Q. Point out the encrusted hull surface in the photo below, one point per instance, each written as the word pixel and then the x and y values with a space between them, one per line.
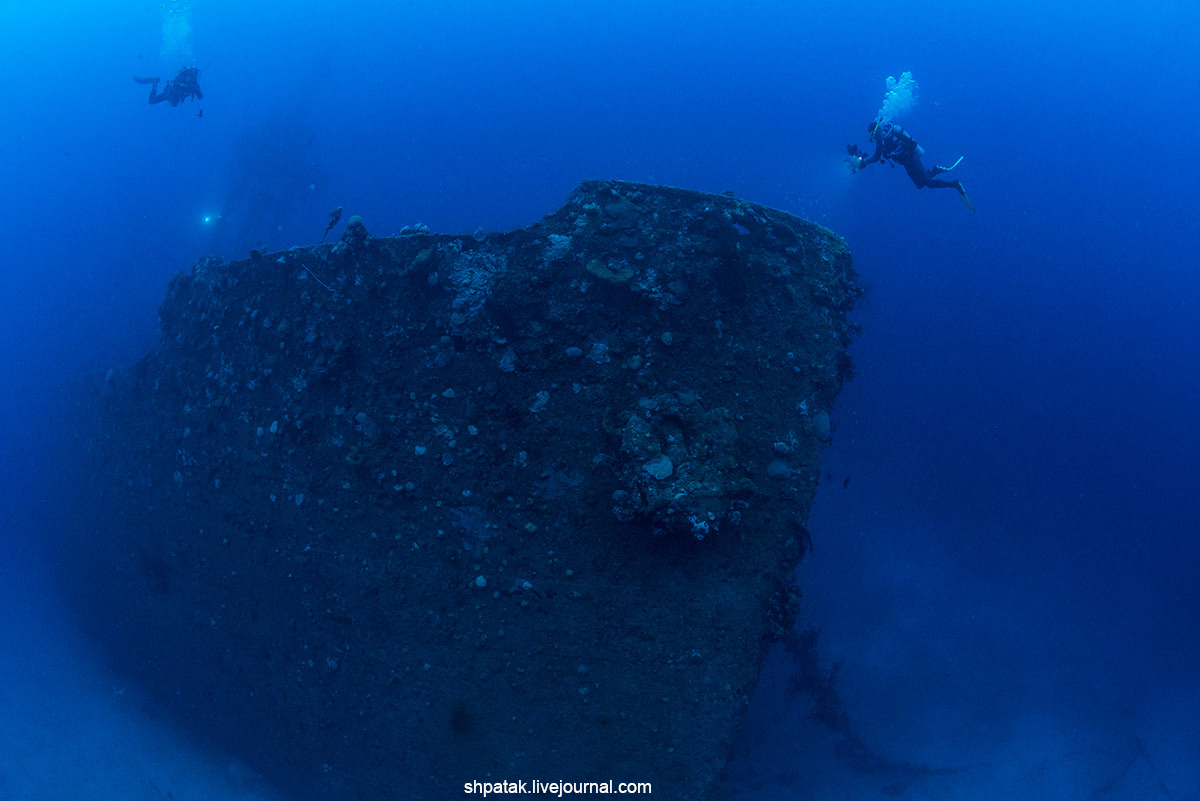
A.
pixel 395 514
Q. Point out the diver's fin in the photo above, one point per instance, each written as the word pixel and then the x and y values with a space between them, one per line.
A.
pixel 963 194
pixel 951 167
pixel 146 80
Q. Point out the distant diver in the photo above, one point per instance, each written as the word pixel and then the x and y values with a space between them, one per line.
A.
pixel 896 144
pixel 184 85
pixel 334 216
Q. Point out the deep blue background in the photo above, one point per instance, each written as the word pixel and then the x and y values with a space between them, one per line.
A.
pixel 1022 438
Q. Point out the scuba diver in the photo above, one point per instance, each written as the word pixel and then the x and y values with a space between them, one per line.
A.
pixel 177 90
pixel 896 144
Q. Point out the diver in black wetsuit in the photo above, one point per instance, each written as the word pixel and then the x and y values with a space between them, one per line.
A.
pixel 896 144
pixel 185 84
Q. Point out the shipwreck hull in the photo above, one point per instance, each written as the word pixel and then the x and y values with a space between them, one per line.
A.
pixel 395 514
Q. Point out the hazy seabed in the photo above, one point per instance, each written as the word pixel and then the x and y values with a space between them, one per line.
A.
pixel 70 730
pixel 968 686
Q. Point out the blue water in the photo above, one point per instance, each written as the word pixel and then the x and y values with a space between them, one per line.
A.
pixel 1010 575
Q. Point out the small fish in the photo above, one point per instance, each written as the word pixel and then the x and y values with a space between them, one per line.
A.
pixel 846 482
pixel 200 113
pixel 334 216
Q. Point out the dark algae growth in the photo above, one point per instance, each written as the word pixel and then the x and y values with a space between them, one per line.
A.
pixel 390 515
